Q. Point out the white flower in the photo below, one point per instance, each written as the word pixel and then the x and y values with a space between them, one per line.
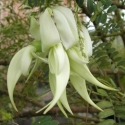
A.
pixel 66 26
pixel 19 64
pixel 58 25
pixel 71 66
pixel 57 37
pixel 67 13
pixel 48 31
pixel 58 77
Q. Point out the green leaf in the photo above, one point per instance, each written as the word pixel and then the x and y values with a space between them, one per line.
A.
pixel 93 17
pixel 5 115
pixel 120 108
pixel 117 59
pixel 122 102
pixel 103 18
pixel 107 122
pixel 102 92
pixel 120 114
pixel 80 2
pixel 50 123
pixel 115 70
pixel 42 120
pixel 106 113
pixel 35 2
pixel 102 44
pixel 30 3
pixel 107 3
pixel 112 8
pixel 121 123
pixel 98 19
pixel 121 63
pixel 42 1
pixel 104 104
pixel 114 54
pixel 122 68
pixel 99 53
pixel 99 6
pixel 102 58
pixel 111 50
pixel 104 63
pixel 112 82
pixel 113 66
pixel 108 46
pixel 90 6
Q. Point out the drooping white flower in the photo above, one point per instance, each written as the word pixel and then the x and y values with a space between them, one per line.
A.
pixel 75 54
pixel 59 76
pixel 48 31
pixel 56 59
pixel 80 73
pixel 19 64
pixel 63 99
pixel 70 18
pixel 80 86
pixel 65 32
pixel 56 26
pixel 83 71
pixel 58 35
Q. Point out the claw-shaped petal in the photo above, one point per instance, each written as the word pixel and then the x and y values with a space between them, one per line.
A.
pixel 52 86
pixel 26 59
pixel 48 31
pixel 64 101
pixel 80 86
pixel 13 74
pixel 63 98
pixel 56 59
pixel 71 20
pixel 52 82
pixel 75 54
pixel 65 32
pixel 61 82
pixel 83 71
pixel 19 64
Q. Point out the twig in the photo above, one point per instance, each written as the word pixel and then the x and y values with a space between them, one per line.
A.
pixel 4 62
pixel 53 110
pixel 84 118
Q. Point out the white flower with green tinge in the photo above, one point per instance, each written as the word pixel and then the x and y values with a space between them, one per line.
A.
pixel 19 64
pixel 58 39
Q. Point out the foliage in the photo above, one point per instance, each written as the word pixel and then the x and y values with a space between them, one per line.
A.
pixel 46 120
pixel 106 23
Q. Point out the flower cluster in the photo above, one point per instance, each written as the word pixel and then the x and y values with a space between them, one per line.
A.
pixel 57 39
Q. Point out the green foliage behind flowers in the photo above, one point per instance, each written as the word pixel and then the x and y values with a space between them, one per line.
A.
pixel 107 54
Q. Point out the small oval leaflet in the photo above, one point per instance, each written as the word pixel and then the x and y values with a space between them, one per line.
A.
pixel 107 122
pixel 106 113
pixel 112 8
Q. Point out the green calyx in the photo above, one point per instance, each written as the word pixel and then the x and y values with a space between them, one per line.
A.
pixel 37 45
